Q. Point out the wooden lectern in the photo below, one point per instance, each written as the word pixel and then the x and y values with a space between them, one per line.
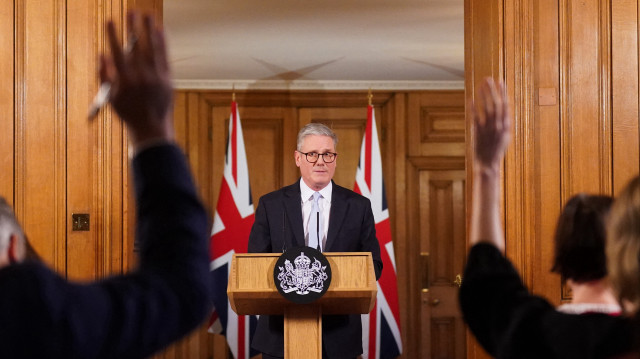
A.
pixel 252 291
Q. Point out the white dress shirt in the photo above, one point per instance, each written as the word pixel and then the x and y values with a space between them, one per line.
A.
pixel 324 202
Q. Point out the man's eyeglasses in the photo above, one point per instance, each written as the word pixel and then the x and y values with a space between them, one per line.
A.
pixel 312 157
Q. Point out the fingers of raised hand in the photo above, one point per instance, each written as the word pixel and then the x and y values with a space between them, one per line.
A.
pixel 495 107
pixel 154 57
pixel 150 50
pixel 491 121
pixel 145 50
pixel 487 95
pixel 106 69
pixel 160 51
pixel 138 43
pixel 117 54
pixel 506 120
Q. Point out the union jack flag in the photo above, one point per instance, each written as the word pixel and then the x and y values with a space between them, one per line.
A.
pixel 381 327
pixel 232 223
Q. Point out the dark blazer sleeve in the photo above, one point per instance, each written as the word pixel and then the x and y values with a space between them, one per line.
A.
pixel 127 316
pixel 352 227
pixel 260 237
pixel 510 322
pixel 369 240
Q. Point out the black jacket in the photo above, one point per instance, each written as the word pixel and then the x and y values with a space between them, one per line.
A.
pixel 509 322
pixel 129 316
pixel 278 225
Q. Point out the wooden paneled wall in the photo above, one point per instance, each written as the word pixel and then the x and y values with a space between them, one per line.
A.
pixel 55 162
pixel 571 69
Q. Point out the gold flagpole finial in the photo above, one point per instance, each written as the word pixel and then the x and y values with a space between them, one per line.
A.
pixel 370 96
pixel 233 92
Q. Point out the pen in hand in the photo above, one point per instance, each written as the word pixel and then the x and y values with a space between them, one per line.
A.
pixel 102 96
pixel 100 99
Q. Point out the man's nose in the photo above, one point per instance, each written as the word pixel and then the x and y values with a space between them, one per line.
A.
pixel 320 158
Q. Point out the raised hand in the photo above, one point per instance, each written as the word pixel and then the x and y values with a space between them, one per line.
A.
pixel 492 124
pixel 141 91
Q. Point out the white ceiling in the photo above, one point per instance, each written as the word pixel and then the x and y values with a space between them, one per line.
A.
pixel 320 44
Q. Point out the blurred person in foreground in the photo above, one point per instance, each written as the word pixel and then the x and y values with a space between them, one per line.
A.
pixel 42 315
pixel 623 254
pixel 580 255
pixel 507 320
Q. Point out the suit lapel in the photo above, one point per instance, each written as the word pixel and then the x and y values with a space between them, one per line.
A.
pixel 294 212
pixel 336 217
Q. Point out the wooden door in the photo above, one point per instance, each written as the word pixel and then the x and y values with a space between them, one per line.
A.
pixel 440 229
pixel 437 221
pixel 442 247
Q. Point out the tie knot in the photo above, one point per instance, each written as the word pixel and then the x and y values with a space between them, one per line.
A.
pixel 316 195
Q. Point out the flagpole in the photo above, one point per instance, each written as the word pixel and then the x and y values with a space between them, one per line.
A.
pixel 379 341
pixel 233 219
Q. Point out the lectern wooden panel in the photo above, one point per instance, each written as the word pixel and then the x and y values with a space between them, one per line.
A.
pixel 252 291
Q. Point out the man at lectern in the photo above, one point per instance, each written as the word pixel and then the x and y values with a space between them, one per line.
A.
pixel 315 212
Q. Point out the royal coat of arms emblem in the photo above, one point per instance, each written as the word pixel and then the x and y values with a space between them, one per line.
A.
pixel 302 278
pixel 302 274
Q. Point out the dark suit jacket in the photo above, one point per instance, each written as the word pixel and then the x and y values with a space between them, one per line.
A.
pixel 278 225
pixel 129 316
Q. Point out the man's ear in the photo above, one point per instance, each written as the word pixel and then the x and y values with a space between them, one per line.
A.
pixel 297 156
pixel 15 252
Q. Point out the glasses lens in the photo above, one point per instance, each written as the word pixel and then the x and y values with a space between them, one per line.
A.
pixel 312 157
pixel 328 157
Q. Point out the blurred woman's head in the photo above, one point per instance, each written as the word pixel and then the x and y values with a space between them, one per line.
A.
pixel 623 246
pixel 580 238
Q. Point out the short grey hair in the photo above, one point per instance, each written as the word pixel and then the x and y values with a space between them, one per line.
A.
pixel 8 224
pixel 316 129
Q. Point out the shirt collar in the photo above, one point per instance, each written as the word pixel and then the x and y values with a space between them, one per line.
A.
pixel 306 192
